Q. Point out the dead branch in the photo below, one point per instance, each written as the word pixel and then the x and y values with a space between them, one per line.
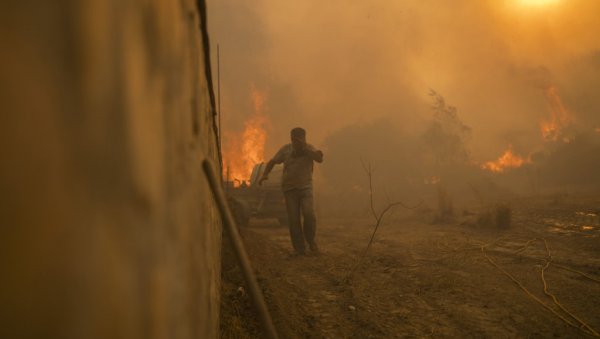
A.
pixel 378 216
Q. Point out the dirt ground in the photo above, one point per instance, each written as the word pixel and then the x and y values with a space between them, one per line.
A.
pixel 425 279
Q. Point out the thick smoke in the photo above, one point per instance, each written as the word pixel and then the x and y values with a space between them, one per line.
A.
pixel 357 75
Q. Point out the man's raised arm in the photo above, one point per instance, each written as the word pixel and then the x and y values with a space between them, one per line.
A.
pixel 317 156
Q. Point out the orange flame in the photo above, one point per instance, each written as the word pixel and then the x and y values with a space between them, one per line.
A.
pixel 506 161
pixel 244 150
pixel 560 118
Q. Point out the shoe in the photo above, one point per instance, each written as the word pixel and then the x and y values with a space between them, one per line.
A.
pixel 313 247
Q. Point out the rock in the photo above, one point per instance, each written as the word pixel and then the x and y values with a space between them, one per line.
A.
pixel 352 308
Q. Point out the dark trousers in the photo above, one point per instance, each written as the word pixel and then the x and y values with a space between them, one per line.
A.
pixel 299 204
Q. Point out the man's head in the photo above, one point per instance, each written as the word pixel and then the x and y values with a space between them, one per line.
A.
pixel 298 136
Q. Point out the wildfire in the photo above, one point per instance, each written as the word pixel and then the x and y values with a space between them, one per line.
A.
pixel 242 151
pixel 506 161
pixel 560 118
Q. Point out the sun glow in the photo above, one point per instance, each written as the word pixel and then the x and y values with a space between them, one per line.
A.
pixel 537 2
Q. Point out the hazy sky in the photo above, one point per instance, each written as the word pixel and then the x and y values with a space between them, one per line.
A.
pixel 326 65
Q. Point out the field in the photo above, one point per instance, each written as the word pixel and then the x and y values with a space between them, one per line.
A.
pixel 538 278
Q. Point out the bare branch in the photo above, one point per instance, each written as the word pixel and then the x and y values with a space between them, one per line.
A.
pixel 378 217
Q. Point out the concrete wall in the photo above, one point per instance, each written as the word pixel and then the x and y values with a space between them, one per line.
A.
pixel 107 227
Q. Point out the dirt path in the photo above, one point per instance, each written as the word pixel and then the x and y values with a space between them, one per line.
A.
pixel 426 280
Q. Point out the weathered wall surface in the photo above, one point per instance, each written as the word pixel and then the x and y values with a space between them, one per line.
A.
pixel 107 226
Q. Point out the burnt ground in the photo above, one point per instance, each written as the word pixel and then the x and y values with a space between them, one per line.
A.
pixel 422 279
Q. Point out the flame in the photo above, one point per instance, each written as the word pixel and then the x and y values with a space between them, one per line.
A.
pixel 560 118
pixel 506 161
pixel 242 151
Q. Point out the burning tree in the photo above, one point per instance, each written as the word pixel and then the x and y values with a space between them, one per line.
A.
pixel 560 118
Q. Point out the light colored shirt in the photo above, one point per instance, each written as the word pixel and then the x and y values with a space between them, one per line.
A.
pixel 297 168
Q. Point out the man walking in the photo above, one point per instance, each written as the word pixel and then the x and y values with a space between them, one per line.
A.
pixel 296 183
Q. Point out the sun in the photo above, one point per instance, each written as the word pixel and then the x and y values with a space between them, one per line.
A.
pixel 537 2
